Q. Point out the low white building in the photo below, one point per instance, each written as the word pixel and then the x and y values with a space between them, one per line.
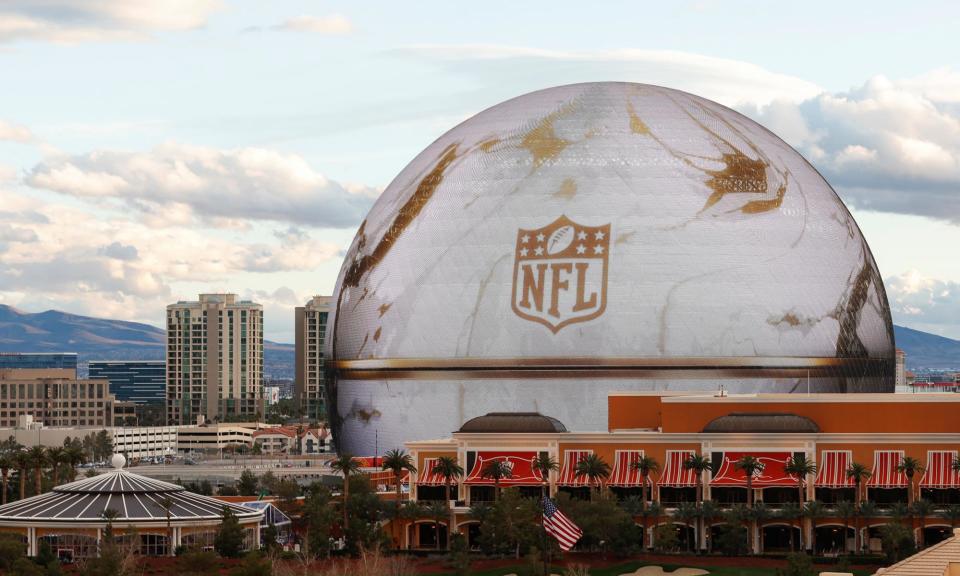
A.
pixel 214 437
pixel 145 441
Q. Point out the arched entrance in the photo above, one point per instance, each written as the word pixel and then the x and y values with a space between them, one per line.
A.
pixel 936 534
pixel 430 535
pixel 470 531
pixel 780 538
pixel 831 540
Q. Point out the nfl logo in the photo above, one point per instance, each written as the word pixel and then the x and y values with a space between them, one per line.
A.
pixel 560 273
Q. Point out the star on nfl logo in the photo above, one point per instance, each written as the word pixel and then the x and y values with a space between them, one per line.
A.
pixel 560 273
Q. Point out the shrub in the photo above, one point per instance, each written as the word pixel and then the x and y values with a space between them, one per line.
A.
pixel 798 564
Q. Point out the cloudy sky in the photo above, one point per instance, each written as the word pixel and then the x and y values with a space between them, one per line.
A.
pixel 151 150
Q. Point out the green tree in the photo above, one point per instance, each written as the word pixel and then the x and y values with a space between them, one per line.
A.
pixel 22 459
pixel 55 457
pixel 73 456
pixel 897 541
pixel 910 467
pixel 438 512
pixel 759 514
pixel 792 513
pixel 665 538
pixel 595 469
pixel 922 509
pixel 699 464
pixel 798 564
pixel 6 463
pixel 607 526
pixel 229 539
pixel 846 511
pixel 510 524
pixel 859 474
pixel 287 492
pixel 751 466
pixel 319 517
pixel 800 468
pixel 11 549
pixel 496 470
pixel 38 458
pixel 814 511
pixel 732 537
pixel 459 555
pixel 247 484
pixel 346 465
pixel 544 463
pixel 951 514
pixel 645 465
pixel 398 461
pixel 364 508
pixel 687 513
pixel 866 510
pixel 447 468
pixel 167 504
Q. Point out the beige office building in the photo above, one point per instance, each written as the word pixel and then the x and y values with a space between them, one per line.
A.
pixel 214 359
pixel 311 332
pixel 55 401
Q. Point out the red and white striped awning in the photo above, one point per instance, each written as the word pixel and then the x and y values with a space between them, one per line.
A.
pixel 568 474
pixel 521 464
pixel 772 474
pixel 674 473
pixel 885 473
pixel 426 476
pixel 832 469
pixel 939 472
pixel 624 474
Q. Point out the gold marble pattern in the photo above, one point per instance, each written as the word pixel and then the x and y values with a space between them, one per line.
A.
pixel 542 141
pixel 568 189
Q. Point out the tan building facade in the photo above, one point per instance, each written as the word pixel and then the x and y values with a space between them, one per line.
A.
pixel 214 359
pixel 311 332
pixel 56 401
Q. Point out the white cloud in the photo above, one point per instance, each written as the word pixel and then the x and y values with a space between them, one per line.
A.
pixel 332 25
pixel 78 21
pixel 891 146
pixel 729 82
pixel 927 303
pixel 79 260
pixel 13 132
pixel 175 183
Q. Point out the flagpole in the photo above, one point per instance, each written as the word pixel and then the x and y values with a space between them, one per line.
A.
pixel 546 541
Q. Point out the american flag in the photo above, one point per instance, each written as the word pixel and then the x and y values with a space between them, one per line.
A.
pixel 559 526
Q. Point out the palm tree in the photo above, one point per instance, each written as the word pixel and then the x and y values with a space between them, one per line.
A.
pixel 496 470
pixel 708 513
pixel 346 465
pixel 110 514
pixel 73 454
pixel 398 462
pixel 22 459
pixel 38 456
pixel 791 511
pixel 544 463
pixel 759 514
pixel 922 509
pixel 6 463
pixel 814 511
pixel 750 465
pixel 55 457
pixel 645 465
pixel 909 466
pixel 646 512
pixel 437 511
pixel 846 511
pixel 865 510
pixel 951 514
pixel 687 513
pixel 595 469
pixel 448 469
pixel 699 464
pixel 858 473
pixel 800 468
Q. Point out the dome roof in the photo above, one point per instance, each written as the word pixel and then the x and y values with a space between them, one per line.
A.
pixel 765 422
pixel 594 238
pixel 513 422
pixel 134 497
pixel 699 234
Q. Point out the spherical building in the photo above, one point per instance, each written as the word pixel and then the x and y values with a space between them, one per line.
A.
pixel 595 238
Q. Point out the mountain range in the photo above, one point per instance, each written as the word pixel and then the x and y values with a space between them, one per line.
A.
pixel 103 339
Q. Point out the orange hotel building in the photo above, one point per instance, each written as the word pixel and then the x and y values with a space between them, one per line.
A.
pixel 832 430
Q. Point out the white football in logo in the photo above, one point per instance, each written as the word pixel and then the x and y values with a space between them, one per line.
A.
pixel 560 240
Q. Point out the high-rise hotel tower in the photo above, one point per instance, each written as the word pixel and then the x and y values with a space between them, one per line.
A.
pixel 214 359
pixel 308 384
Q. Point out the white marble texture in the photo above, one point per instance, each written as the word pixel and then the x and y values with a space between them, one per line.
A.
pixel 725 243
